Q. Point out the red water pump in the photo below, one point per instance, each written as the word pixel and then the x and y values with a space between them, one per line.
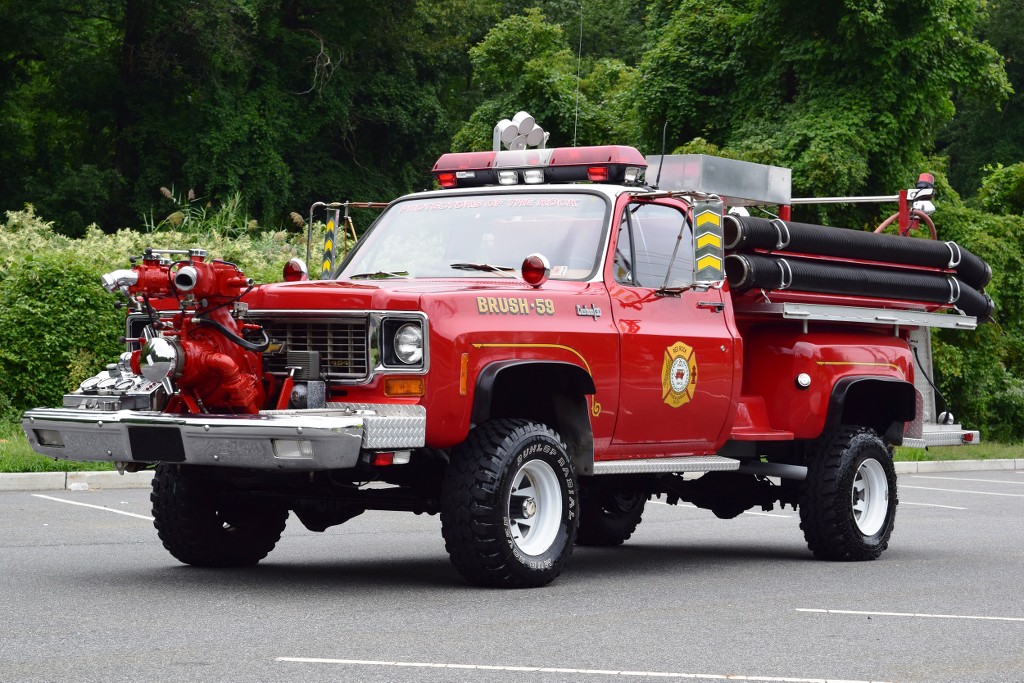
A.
pixel 201 354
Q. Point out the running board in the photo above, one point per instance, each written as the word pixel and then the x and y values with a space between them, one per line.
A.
pixel 692 463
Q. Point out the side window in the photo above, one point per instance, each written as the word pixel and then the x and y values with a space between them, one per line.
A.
pixel 649 236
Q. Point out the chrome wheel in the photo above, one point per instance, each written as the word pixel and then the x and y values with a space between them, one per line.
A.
pixel 870 497
pixel 534 507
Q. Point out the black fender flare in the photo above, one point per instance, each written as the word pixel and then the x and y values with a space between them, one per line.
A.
pixel 560 389
pixel 883 403
pixel 574 378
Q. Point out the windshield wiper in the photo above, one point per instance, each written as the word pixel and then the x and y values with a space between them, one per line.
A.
pixel 380 275
pixel 504 271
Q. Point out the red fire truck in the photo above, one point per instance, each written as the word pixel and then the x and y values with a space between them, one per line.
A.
pixel 532 352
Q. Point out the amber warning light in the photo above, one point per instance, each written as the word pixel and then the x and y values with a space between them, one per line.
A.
pixel 602 164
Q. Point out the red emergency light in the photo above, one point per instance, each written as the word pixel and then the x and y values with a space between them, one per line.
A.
pixel 602 164
pixel 465 169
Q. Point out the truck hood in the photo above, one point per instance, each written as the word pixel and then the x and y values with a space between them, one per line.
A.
pixel 402 295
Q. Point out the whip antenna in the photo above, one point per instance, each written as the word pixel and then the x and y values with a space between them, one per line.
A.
pixel 579 61
pixel 661 164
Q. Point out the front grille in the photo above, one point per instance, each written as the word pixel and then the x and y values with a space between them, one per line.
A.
pixel 341 343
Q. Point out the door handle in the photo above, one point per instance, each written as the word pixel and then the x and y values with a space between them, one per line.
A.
pixel 716 306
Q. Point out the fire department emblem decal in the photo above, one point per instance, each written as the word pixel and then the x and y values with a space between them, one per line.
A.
pixel 678 374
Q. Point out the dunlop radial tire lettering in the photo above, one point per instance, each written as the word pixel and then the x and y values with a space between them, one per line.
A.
pixel 848 501
pixel 202 524
pixel 480 505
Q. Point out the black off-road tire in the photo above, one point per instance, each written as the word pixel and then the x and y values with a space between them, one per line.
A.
pixel 485 521
pixel 608 517
pixel 206 524
pixel 848 501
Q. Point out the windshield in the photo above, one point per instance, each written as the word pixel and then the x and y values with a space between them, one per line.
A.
pixel 483 236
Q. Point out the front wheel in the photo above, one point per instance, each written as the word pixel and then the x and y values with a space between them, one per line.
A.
pixel 509 507
pixel 848 501
pixel 205 523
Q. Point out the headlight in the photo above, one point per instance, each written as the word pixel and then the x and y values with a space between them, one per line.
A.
pixel 159 359
pixel 409 343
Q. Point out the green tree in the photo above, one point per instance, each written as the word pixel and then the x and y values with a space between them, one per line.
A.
pixel 982 134
pixel 283 101
pixel 850 94
pixel 57 119
pixel 610 29
pixel 526 63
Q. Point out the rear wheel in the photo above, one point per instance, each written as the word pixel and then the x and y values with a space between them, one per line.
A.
pixel 207 524
pixel 509 506
pixel 848 501
pixel 608 517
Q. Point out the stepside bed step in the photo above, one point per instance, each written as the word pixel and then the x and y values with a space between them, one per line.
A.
pixel 691 463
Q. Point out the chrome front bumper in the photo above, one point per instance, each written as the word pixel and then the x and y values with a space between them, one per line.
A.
pixel 320 439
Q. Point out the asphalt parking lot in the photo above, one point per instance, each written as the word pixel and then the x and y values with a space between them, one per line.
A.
pixel 89 594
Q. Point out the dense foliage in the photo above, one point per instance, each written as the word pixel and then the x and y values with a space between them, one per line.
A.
pixel 58 326
pixel 211 123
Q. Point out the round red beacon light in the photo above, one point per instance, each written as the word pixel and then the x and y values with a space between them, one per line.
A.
pixel 295 271
pixel 536 269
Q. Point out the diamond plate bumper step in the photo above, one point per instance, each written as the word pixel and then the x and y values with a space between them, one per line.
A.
pixel 691 463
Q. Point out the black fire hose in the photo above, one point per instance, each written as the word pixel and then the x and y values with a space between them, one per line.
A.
pixel 746 271
pixel 746 233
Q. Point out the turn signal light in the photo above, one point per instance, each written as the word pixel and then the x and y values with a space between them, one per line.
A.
pixel 404 386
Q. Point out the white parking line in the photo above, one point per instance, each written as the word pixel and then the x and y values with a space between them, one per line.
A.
pixel 931 505
pixel 909 614
pixel 95 507
pixel 984 481
pixel 581 672
pixel 980 493
pixel 768 514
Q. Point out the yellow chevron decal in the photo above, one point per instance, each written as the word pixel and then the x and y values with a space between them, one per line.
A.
pixel 711 217
pixel 709 261
pixel 709 239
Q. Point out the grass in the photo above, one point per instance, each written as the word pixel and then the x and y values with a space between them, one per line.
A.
pixel 16 456
pixel 981 451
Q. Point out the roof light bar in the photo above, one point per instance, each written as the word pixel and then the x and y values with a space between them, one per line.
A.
pixel 576 161
pixel 465 169
pixel 602 164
